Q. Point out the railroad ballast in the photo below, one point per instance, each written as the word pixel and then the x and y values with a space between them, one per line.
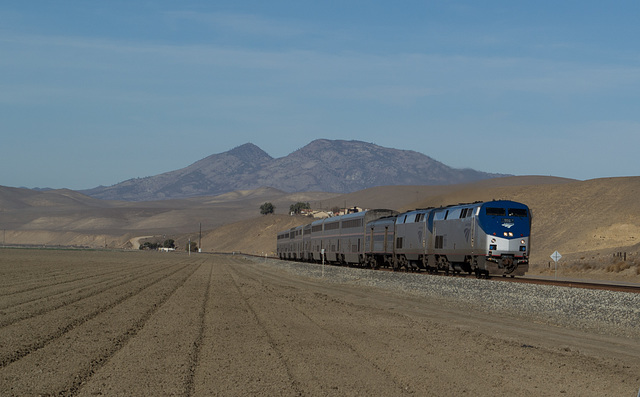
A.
pixel 482 238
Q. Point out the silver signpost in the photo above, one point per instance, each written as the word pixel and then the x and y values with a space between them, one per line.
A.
pixel 556 257
pixel 322 253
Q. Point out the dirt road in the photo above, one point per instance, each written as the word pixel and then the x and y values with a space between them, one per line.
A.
pixel 100 323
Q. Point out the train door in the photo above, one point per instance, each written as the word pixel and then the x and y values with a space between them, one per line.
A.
pixel 371 241
pixel 473 233
pixel 386 239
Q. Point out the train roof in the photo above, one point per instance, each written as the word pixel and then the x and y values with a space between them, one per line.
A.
pixel 463 205
pixel 483 203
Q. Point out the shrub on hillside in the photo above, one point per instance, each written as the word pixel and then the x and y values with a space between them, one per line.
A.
pixel 618 267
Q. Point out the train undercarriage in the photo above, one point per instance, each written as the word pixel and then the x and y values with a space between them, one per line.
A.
pixel 481 266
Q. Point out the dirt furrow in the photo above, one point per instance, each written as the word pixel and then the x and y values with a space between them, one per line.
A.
pixel 59 284
pixel 237 356
pixel 13 296
pixel 29 271
pixel 48 267
pixel 344 335
pixel 310 347
pixel 163 353
pixel 24 337
pixel 290 367
pixel 64 364
pixel 445 351
pixel 42 305
pixel 205 325
pixel 194 361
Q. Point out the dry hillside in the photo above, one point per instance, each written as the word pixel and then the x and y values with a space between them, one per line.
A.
pixel 67 218
pixel 258 234
pixel 572 217
pixel 586 221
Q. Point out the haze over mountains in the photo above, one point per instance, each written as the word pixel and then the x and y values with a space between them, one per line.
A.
pixel 323 165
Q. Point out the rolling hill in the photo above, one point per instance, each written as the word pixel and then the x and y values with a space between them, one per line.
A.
pixel 587 221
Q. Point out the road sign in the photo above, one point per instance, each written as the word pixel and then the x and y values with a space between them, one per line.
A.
pixel 556 257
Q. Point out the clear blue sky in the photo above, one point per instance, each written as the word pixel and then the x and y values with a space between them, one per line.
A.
pixel 97 92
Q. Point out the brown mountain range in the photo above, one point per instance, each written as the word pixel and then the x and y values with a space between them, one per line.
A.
pixel 323 165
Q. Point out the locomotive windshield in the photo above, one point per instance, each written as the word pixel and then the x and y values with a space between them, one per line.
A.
pixel 521 212
pixel 496 211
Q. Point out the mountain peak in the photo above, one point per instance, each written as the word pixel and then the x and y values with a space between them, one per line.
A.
pixel 323 165
pixel 249 151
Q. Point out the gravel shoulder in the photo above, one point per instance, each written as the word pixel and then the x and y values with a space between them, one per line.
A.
pixel 205 325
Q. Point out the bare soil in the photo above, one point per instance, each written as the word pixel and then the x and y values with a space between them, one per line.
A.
pixel 113 323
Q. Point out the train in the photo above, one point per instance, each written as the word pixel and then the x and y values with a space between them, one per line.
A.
pixel 490 238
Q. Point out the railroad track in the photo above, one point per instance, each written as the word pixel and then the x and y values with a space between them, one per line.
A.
pixel 529 280
pixel 559 283
pixel 574 284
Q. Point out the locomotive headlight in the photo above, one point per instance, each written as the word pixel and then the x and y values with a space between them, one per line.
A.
pixel 510 234
pixel 522 241
pixel 493 240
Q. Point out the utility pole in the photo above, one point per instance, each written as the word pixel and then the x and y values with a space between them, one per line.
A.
pixel 200 239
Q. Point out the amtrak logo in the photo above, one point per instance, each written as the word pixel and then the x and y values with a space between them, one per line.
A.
pixel 508 223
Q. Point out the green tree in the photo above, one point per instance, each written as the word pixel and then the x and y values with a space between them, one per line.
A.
pixel 149 246
pixel 194 246
pixel 267 208
pixel 298 207
pixel 169 243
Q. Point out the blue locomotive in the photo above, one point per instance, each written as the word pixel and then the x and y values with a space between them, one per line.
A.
pixel 482 238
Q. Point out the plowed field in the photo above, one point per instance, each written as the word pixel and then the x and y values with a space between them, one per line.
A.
pixel 138 323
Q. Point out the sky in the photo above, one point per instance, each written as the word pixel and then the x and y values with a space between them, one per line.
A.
pixel 98 92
